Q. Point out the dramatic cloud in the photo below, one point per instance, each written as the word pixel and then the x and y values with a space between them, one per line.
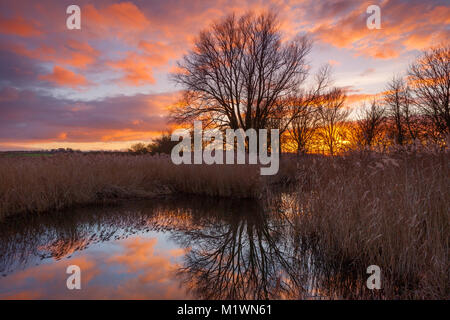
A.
pixel 113 73
pixel 118 17
pixel 29 118
pixel 402 24
pixel 63 77
pixel 73 53
pixel 19 26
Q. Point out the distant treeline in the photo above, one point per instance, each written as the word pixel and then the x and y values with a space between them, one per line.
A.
pixel 241 75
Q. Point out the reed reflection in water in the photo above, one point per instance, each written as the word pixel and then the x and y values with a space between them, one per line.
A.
pixel 166 249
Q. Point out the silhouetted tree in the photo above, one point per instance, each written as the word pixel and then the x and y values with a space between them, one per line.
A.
pixel 369 126
pixel 297 113
pixel 237 72
pixel 398 102
pixel 304 127
pixel 138 148
pixel 429 76
pixel 162 144
pixel 332 115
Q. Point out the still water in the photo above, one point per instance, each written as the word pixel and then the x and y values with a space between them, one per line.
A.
pixel 183 248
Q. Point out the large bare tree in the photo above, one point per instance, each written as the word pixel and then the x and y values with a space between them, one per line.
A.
pixel 238 71
pixel 430 79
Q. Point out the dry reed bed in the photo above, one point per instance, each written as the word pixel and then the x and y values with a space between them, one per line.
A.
pixel 48 183
pixel 387 210
pixel 355 210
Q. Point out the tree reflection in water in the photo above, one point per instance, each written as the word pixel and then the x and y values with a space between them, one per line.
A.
pixel 237 249
pixel 242 253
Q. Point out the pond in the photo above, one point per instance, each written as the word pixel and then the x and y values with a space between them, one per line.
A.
pixel 174 248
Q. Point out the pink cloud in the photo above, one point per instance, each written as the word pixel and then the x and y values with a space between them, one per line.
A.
pixel 404 26
pixel 73 53
pixel 19 26
pixel 65 78
pixel 121 17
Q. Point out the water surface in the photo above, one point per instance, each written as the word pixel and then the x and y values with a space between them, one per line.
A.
pixel 183 248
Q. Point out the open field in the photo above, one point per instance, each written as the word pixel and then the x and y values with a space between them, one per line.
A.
pixel 13 154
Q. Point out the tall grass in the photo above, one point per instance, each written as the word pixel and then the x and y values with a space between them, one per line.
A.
pixel 354 210
pixel 377 209
pixel 49 183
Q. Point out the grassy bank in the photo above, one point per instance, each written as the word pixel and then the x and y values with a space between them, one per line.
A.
pixel 48 183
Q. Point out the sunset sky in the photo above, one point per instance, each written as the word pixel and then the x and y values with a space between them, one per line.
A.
pixel 106 86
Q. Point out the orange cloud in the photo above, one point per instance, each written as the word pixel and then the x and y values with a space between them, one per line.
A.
pixel 122 17
pixel 73 53
pixel 404 26
pixel 159 53
pixel 153 36
pixel 129 135
pixel 359 97
pixel 62 136
pixel 65 78
pixel 137 69
pixel 388 50
pixel 19 26
pixel 424 40
pixel 109 124
pixel 81 54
